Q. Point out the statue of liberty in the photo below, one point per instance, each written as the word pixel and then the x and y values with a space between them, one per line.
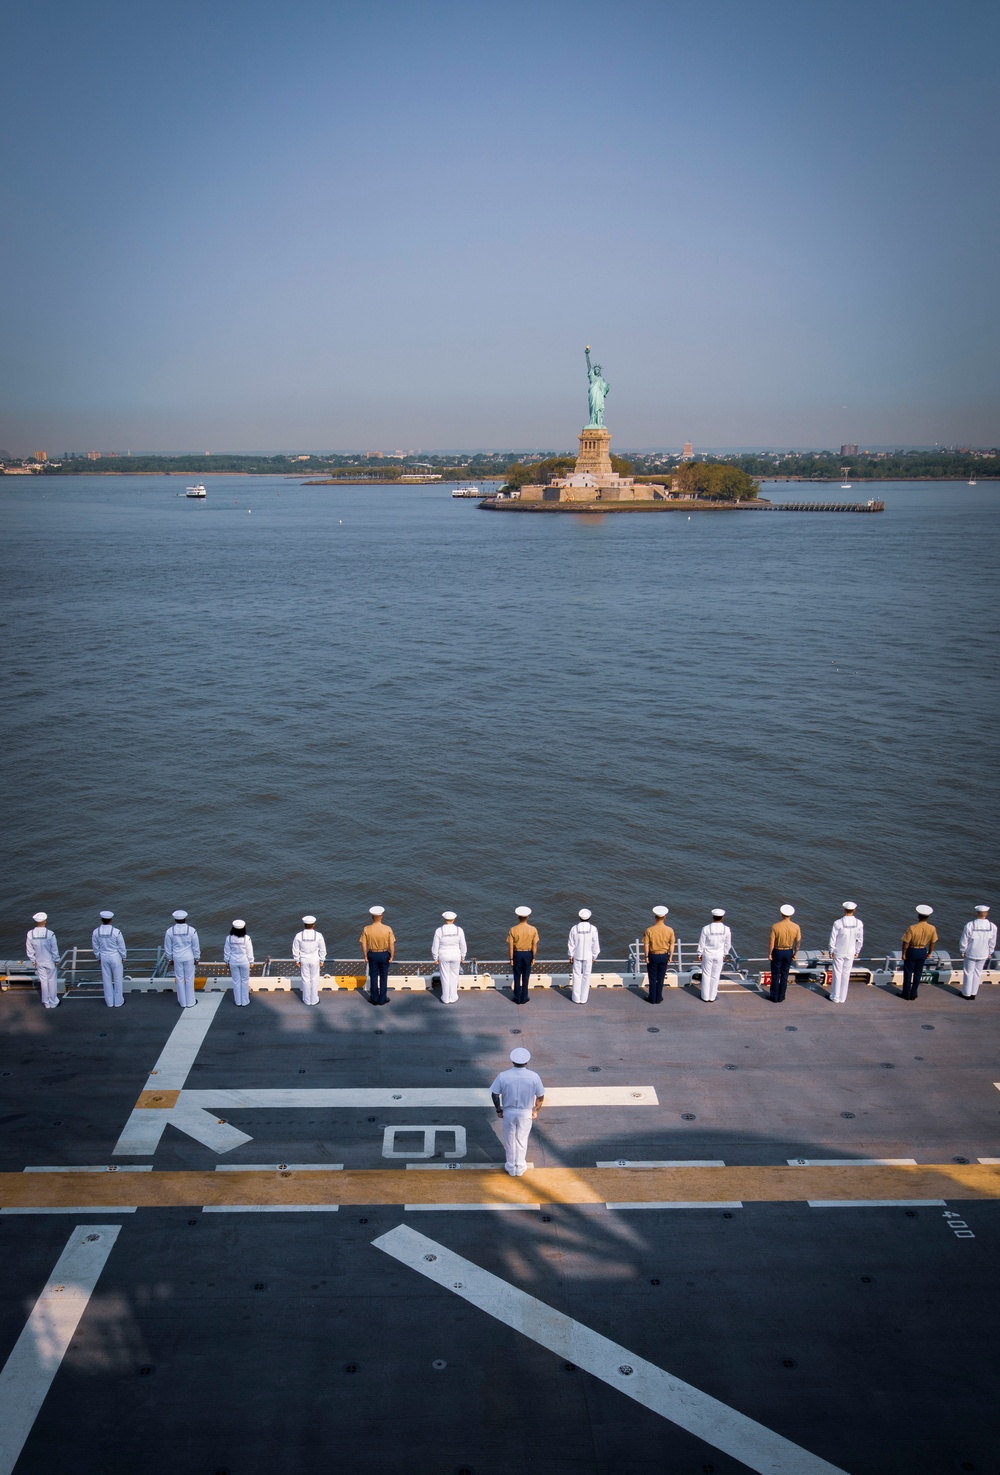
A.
pixel 598 388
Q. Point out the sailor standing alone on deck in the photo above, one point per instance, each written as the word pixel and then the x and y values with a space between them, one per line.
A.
pixel 309 951
pixel 979 938
pixel 43 950
pixel 517 1095
pixel 658 945
pixel 918 941
pixel 713 945
pixel 584 946
pixel 786 936
pixel 522 947
pixel 846 941
pixel 109 948
pixel 378 948
pixel 238 953
pixel 183 949
pixel 448 951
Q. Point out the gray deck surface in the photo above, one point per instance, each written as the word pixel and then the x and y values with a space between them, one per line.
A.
pixel 865 1335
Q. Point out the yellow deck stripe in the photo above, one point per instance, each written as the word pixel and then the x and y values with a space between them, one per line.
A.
pixel 544 1185
pixel 161 1099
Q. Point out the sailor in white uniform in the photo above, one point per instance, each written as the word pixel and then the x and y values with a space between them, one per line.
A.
pixel 309 951
pixel 448 951
pixel 713 945
pixel 109 948
pixel 584 947
pixel 846 941
pixel 979 940
pixel 182 947
pixel 43 950
pixel 517 1096
pixel 238 953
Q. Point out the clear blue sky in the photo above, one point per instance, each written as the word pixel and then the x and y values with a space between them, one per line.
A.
pixel 239 226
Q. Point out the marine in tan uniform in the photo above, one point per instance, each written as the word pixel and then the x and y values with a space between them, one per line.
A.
pixel 522 949
pixel 785 940
pixel 918 940
pixel 378 948
pixel 658 947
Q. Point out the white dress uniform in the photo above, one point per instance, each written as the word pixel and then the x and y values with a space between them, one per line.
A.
pixel 238 953
pixel 309 951
pixel 847 938
pixel 977 945
pixel 43 950
pixel 713 945
pixel 448 951
pixel 517 1089
pixel 182 947
pixel 109 947
pixel 584 947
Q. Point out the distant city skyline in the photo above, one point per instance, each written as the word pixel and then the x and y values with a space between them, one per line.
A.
pixel 366 226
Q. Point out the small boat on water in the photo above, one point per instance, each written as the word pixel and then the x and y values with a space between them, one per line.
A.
pixel 845 486
pixel 972 481
pixel 467 492
pixel 196 491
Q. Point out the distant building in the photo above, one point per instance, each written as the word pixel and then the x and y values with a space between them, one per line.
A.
pixel 688 452
pixel 40 456
pixel 93 455
pixel 848 450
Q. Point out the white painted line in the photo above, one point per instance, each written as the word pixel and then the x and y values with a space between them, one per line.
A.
pixel 80 1209
pixel 852 1162
pixel 318 1098
pixel 141 1134
pixel 876 1203
pixel 694 1162
pixel 676 1204
pixel 705 1417
pixel 476 1167
pixel 109 1168
pixel 452 1208
pixel 988 1161
pixel 41 1347
pixel 270 1208
pixel 279 1167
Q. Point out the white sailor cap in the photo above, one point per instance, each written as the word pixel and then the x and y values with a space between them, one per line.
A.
pixel 522 911
pixel 449 916
pixel 520 1056
pixel 40 917
pixel 660 911
pixel 849 906
pixel 924 911
pixel 106 916
pixel 239 922
pixel 584 914
pixel 787 910
pixel 310 921
pixel 376 911
pixel 179 916
pixel 718 912
pixel 981 909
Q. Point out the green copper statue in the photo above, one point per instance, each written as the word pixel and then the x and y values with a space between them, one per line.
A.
pixel 597 392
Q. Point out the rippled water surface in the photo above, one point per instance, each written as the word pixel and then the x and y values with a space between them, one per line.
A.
pixel 293 698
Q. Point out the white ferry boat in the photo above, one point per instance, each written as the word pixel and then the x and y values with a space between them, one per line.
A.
pixel 467 492
pixel 196 491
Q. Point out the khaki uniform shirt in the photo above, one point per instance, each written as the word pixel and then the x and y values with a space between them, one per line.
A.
pixel 921 934
pixel 377 938
pixel 658 939
pixel 522 938
pixel 785 933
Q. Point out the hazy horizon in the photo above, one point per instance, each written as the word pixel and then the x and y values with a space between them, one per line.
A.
pixel 385 225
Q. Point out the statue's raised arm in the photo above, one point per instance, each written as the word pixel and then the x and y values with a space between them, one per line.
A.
pixel 598 388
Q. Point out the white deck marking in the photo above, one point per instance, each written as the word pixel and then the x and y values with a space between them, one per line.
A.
pixel 279 1167
pixel 140 1137
pixel 876 1203
pixel 707 1418
pixel 105 1168
pixel 852 1162
pixel 270 1208
pixel 676 1204
pixel 41 1347
pixel 453 1208
pixel 80 1209
pixel 437 1167
pixel 988 1161
pixel 694 1162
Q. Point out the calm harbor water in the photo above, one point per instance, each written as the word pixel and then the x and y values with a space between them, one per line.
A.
pixel 291 698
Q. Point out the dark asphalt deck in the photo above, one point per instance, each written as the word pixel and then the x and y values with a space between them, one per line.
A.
pixel 864 1335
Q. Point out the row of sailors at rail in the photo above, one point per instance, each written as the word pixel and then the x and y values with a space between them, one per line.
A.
pixel 448 949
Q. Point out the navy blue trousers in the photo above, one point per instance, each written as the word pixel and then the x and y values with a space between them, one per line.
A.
pixel 781 961
pixel 378 976
pixel 913 965
pixel 522 972
pixel 656 972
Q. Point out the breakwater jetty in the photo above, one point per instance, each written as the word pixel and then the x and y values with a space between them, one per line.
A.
pixel 678 504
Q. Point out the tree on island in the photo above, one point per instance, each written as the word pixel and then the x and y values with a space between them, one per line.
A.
pixel 538 473
pixel 713 481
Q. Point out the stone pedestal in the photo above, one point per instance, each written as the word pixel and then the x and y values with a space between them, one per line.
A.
pixel 595 453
